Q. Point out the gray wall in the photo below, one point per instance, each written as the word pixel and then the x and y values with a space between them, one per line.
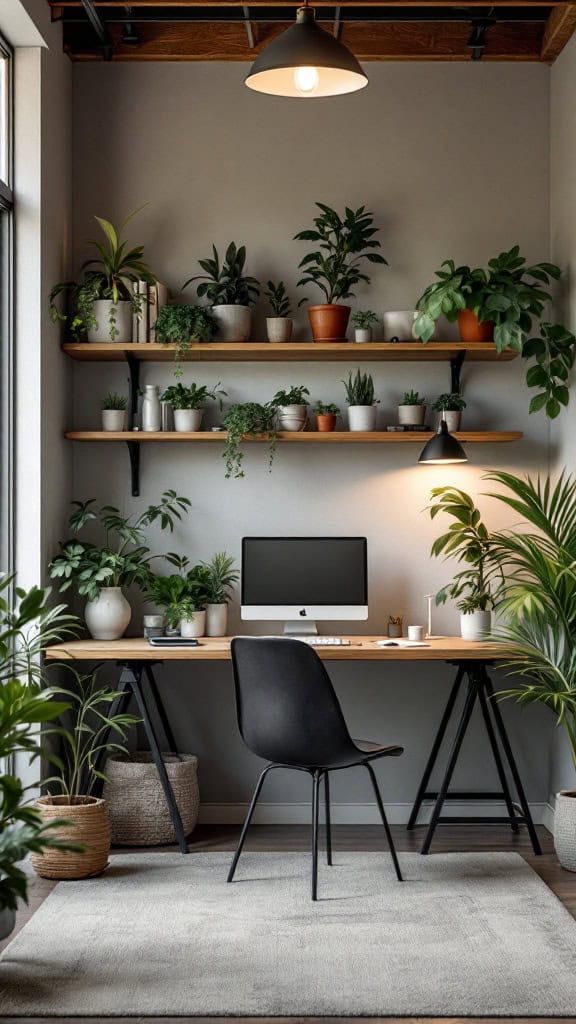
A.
pixel 453 160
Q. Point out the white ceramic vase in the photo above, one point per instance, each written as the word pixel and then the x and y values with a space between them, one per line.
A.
pixel 151 409
pixel 187 420
pixel 216 619
pixel 113 419
pixel 362 417
pixel 121 325
pixel 411 415
pixel 475 625
pixel 194 627
pixel 565 829
pixel 108 616
pixel 292 417
pixel 234 322
pixel 363 335
pixel 279 329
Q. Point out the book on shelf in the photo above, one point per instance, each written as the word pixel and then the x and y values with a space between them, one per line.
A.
pixel 153 297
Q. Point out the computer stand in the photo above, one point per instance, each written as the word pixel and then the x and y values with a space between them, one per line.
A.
pixel 301 627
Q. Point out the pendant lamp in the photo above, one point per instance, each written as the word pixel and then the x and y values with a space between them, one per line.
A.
pixel 306 62
pixel 443 449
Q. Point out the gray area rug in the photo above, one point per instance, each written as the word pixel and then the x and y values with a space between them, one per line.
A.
pixel 469 934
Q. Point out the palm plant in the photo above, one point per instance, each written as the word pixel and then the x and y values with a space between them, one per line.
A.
pixel 221 577
pixel 468 540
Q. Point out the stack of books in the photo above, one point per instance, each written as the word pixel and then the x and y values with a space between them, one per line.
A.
pixel 153 296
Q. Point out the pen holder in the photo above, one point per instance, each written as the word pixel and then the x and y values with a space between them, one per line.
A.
pixel 395 626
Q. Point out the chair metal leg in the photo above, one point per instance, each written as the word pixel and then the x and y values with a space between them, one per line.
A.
pixel 380 803
pixel 316 777
pixel 328 821
pixel 247 820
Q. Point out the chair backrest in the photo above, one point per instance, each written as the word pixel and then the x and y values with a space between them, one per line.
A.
pixel 288 711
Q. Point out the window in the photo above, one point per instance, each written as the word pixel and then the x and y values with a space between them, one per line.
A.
pixel 6 310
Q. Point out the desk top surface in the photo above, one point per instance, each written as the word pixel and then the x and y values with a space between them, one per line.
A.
pixel 361 648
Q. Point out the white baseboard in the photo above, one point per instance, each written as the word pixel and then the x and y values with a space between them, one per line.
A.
pixel 354 813
pixel 548 815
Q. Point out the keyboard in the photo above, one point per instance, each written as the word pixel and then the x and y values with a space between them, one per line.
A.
pixel 324 641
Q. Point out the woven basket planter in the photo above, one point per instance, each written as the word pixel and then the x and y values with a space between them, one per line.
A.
pixel 565 829
pixel 88 825
pixel 135 798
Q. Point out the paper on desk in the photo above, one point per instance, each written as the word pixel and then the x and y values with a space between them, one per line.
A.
pixel 401 643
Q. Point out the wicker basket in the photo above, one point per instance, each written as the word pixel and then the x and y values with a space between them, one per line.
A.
pixel 88 825
pixel 135 798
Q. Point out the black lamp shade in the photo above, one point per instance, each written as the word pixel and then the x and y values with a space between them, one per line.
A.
pixel 442 449
pixel 306 62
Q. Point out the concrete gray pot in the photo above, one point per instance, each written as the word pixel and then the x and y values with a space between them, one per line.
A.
pixel 7 922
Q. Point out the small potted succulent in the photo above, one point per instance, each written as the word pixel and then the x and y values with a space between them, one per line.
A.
pixel 114 411
pixel 363 321
pixel 450 407
pixel 292 408
pixel 412 411
pixel 220 578
pixel 326 415
pixel 247 419
pixel 279 325
pixel 361 401
pixel 182 325
pixel 188 404
pixel 230 290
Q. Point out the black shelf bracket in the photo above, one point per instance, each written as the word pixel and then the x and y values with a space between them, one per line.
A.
pixel 455 368
pixel 133 446
pixel 134 453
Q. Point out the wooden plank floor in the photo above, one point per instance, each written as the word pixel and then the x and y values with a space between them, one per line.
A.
pixel 345 837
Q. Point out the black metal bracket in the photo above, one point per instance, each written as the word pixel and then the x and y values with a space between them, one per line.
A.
pixel 133 446
pixel 455 369
pixel 134 453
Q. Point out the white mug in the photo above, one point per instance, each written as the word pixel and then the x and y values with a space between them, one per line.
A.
pixel 415 632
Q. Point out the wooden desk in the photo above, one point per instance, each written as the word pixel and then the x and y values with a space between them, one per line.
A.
pixel 136 659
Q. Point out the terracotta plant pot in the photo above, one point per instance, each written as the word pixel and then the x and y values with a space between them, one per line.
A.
pixel 88 825
pixel 471 329
pixel 329 323
pixel 326 422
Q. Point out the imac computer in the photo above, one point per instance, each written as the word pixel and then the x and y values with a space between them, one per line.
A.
pixel 301 579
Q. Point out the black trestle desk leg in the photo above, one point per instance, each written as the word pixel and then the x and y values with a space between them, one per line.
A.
pixel 496 753
pixel 159 705
pixel 328 821
pixel 420 795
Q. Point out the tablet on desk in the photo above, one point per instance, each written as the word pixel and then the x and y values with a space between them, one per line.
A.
pixel 172 641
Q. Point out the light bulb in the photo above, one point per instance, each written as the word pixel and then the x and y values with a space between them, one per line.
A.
pixel 306 80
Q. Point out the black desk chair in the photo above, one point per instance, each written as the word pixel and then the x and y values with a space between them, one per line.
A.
pixel 288 714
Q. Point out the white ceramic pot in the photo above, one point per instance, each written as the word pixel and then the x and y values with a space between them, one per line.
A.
pixel 398 324
pixel 151 409
pixel 186 420
pixel 292 417
pixel 7 922
pixel 475 625
pixel 234 322
pixel 279 329
pixel 196 626
pixel 120 329
pixel 362 417
pixel 363 335
pixel 113 419
pixel 565 829
pixel 452 419
pixel 108 616
pixel 411 415
pixel 216 619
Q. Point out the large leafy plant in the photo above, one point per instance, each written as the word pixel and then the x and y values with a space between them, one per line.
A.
pixel 125 557
pixel 226 283
pixel 344 244
pixel 467 540
pixel 180 594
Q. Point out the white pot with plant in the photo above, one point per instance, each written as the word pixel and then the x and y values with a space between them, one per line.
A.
pixel 114 412
pixel 279 325
pixel 100 573
pixel 104 302
pixel 221 577
pixel 231 292
pixel 182 596
pixel 364 322
pixel 188 404
pixel 412 411
pixel 449 407
pixel 361 401
pixel 291 408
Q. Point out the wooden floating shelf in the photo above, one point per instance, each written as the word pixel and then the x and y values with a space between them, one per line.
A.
pixel 303 351
pixel 293 437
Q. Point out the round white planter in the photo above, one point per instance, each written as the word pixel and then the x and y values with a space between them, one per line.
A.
pixel 452 419
pixel 363 335
pixel 122 321
pixel 411 415
pixel 216 619
pixel 196 626
pixel 565 829
pixel 7 922
pixel 475 625
pixel 398 324
pixel 186 420
pixel 113 419
pixel 279 329
pixel 292 417
pixel 234 322
pixel 362 417
pixel 108 616
pixel 151 409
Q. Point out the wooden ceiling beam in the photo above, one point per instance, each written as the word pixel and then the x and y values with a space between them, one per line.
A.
pixel 559 29
pixel 321 3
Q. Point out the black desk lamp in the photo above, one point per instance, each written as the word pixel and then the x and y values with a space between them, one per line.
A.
pixel 443 449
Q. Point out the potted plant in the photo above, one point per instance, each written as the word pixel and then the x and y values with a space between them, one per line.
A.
pixel 473 589
pixel 247 419
pixel 182 325
pixel 100 572
pixel 292 408
pixel 326 414
pixel 230 291
pixel 412 410
pixel 221 577
pixel 91 728
pixel 104 302
pixel 335 266
pixel 114 411
pixel 188 404
pixel 279 325
pixel 361 401
pixel 364 321
pixel 182 596
pixel 450 407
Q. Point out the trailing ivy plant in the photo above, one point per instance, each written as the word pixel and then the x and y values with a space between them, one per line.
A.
pixel 344 244
pixel 250 419
pixel 226 284
pixel 181 325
